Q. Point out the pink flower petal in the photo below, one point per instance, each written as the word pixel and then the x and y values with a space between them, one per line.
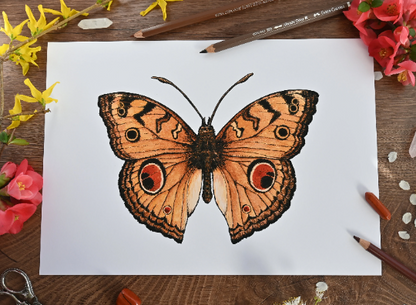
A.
pixel 6 221
pixel 21 213
pixel 22 168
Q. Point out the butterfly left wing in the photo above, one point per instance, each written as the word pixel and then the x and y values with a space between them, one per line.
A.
pixel 157 183
pixel 255 182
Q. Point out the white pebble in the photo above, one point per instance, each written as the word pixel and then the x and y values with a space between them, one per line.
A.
pixel 407 217
pixel 404 185
pixel 413 199
pixel 404 235
pixel 392 156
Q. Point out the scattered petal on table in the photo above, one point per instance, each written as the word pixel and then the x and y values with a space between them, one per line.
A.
pixel 407 217
pixel 404 185
pixel 404 235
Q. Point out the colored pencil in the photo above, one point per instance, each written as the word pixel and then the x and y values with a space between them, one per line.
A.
pixel 278 28
pixel 377 252
pixel 214 13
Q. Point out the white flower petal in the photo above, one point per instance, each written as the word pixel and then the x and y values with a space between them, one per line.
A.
pixel 404 185
pixel 392 156
pixel 413 199
pixel 407 217
pixel 292 301
pixel 404 235
pixel 321 287
pixel 378 75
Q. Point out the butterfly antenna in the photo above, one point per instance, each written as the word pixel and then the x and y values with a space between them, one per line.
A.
pixel 242 80
pixel 165 81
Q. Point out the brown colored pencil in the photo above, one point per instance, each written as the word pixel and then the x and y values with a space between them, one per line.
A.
pixel 279 28
pixel 386 258
pixel 214 13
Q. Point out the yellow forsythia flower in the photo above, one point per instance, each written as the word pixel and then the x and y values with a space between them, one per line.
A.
pixel 109 4
pixel 162 4
pixel 37 26
pixel 37 96
pixel 25 55
pixel 13 33
pixel 16 110
pixel 3 49
pixel 65 12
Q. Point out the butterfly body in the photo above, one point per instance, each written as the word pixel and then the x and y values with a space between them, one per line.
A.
pixel 246 167
pixel 206 155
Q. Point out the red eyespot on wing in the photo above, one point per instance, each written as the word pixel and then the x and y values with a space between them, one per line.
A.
pixel 261 175
pixel 152 176
pixel 167 210
pixel 246 209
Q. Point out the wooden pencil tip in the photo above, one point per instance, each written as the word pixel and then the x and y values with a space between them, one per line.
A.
pixel 210 49
pixel 138 34
pixel 357 238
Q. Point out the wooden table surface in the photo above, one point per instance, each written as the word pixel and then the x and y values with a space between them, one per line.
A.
pixel 396 124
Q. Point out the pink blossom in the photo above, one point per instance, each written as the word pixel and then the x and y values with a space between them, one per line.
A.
pixel 355 15
pixel 383 49
pixel 405 72
pixel 390 10
pixel 11 220
pixel 25 185
pixel 8 169
pixel 7 172
pixel 401 34
pixel 367 35
pixel 22 187
pixel 409 14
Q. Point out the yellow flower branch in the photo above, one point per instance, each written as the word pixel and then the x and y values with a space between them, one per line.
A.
pixel 57 26
pixel 31 113
pixel 11 52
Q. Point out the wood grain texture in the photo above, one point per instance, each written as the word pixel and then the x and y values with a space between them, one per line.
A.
pixel 396 124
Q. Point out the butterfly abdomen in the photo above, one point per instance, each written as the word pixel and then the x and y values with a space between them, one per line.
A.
pixel 206 155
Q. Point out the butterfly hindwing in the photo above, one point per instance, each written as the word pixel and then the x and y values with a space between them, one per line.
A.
pixel 157 183
pixel 255 182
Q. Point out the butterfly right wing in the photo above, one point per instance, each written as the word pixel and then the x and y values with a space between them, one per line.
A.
pixel 157 183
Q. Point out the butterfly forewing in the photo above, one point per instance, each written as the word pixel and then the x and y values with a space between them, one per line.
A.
pixel 157 183
pixel 255 182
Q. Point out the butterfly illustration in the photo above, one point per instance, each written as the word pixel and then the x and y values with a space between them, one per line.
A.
pixel 246 166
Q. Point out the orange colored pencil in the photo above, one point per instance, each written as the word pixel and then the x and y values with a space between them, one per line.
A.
pixel 378 206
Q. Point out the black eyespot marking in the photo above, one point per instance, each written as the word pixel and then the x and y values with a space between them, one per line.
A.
pixel 294 106
pixel 132 134
pixel 261 175
pixel 282 132
pixel 122 110
pixel 292 103
pixel 152 176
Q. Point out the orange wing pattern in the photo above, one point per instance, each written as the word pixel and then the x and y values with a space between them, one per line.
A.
pixel 157 183
pixel 255 182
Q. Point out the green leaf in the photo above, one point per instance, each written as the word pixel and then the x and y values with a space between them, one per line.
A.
pixel 413 52
pixel 4 137
pixel 364 7
pixel 377 3
pixel 412 32
pixel 18 141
